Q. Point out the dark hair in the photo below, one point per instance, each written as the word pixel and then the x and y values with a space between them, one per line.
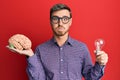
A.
pixel 59 7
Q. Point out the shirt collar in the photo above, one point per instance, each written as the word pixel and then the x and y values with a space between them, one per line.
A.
pixel 69 41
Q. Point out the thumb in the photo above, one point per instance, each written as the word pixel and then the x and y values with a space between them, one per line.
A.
pixel 98 52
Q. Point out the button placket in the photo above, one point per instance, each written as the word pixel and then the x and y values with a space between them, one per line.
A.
pixel 61 62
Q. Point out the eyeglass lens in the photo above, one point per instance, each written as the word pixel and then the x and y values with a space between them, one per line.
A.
pixel 56 19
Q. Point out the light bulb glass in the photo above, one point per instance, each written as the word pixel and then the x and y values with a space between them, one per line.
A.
pixel 99 43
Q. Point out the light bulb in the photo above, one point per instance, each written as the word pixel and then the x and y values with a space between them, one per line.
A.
pixel 99 43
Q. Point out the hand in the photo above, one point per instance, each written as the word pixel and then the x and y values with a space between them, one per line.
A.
pixel 102 57
pixel 23 52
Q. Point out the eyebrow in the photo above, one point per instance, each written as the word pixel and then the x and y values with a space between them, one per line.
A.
pixel 60 17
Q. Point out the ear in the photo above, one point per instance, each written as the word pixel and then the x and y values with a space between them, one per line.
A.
pixel 51 24
pixel 70 22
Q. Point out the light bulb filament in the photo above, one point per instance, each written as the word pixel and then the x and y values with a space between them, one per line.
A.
pixel 99 44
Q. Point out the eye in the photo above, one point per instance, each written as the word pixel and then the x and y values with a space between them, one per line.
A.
pixel 65 18
pixel 54 18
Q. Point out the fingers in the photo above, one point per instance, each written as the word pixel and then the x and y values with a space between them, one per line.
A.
pixel 102 58
pixel 28 52
pixel 98 52
pixel 13 49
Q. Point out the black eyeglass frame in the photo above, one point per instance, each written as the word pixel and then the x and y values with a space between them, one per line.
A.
pixel 62 19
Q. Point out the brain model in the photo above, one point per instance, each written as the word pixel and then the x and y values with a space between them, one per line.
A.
pixel 20 42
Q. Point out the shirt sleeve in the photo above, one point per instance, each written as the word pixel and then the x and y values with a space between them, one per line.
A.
pixel 90 71
pixel 35 69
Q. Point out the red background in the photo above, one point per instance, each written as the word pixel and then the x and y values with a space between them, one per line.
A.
pixel 92 19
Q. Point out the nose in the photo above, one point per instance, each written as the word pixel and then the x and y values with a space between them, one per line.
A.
pixel 60 22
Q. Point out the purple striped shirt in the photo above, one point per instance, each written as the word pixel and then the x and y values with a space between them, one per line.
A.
pixel 71 61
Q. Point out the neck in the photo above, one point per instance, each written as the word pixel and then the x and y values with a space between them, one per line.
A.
pixel 61 39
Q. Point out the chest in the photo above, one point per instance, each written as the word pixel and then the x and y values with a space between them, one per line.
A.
pixel 54 57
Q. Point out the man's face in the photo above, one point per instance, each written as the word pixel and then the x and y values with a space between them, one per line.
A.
pixel 61 22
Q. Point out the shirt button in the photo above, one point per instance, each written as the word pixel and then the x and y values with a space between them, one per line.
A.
pixel 61 48
pixel 61 59
pixel 61 72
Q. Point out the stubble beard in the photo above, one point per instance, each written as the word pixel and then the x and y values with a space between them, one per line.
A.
pixel 60 33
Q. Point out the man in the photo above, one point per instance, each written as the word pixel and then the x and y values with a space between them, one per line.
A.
pixel 62 57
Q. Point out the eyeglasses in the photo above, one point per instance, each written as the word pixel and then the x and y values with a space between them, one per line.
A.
pixel 56 19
